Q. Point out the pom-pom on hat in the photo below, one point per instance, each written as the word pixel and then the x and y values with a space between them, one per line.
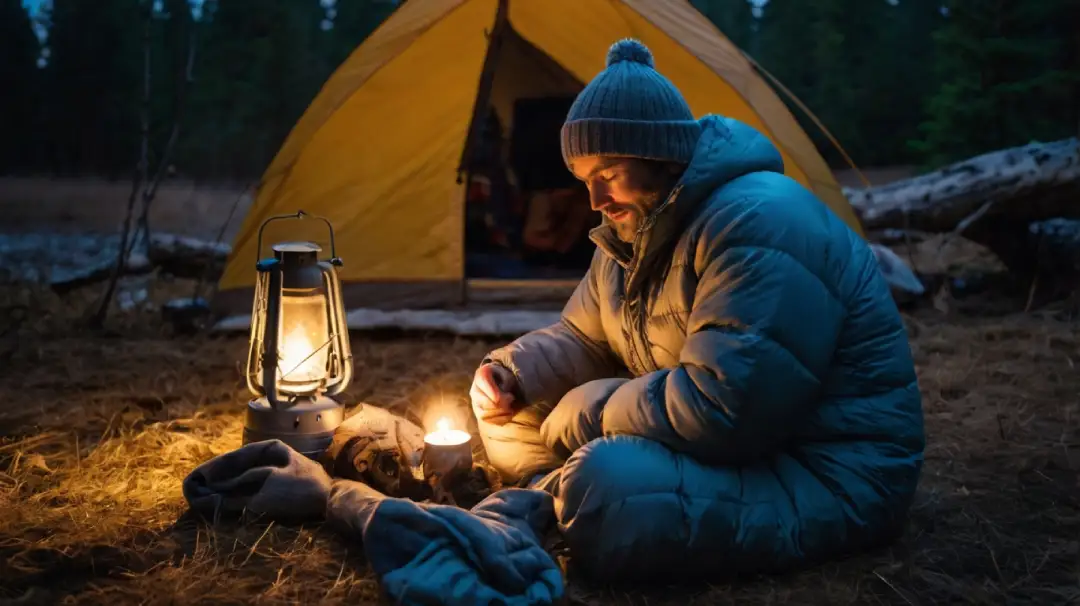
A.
pixel 629 49
pixel 630 110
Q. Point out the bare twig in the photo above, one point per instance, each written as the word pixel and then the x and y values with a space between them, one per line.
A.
pixel 197 292
pixel 907 241
pixel 963 225
pixel 138 178
pixel 894 588
pixel 143 229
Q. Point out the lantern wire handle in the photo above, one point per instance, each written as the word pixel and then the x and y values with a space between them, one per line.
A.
pixel 334 260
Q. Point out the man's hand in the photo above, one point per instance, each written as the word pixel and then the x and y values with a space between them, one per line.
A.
pixel 492 394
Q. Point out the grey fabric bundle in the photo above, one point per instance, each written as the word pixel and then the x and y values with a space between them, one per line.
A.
pixel 423 553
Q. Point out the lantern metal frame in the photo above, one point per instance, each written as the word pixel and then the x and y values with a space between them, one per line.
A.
pixel 304 417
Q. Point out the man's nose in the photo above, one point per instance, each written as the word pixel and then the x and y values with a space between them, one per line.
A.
pixel 599 198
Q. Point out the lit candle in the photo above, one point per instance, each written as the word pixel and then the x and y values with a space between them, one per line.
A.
pixel 447 453
pixel 444 436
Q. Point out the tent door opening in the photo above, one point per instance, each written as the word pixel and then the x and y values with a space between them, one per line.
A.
pixel 527 219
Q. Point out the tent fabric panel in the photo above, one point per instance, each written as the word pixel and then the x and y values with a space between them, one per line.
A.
pixel 383 168
pixel 392 37
pixel 410 21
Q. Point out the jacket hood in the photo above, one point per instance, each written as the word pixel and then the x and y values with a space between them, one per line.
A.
pixel 726 150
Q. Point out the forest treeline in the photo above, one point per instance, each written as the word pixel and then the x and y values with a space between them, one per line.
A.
pixel 896 81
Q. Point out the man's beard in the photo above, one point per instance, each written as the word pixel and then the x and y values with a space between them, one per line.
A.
pixel 627 229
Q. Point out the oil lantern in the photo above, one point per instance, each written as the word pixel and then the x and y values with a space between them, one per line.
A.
pixel 299 354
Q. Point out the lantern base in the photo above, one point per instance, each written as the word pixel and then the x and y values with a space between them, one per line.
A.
pixel 307 424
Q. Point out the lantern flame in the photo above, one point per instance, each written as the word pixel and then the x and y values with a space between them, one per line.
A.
pixel 298 358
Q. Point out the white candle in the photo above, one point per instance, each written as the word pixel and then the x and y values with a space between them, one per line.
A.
pixel 447 454
pixel 444 436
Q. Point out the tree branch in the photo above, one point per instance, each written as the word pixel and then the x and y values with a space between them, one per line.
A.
pixel 143 229
pixel 97 320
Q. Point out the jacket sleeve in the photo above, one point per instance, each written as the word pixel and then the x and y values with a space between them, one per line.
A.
pixel 761 334
pixel 551 361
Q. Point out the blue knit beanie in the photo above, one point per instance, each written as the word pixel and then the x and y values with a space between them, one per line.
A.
pixel 630 110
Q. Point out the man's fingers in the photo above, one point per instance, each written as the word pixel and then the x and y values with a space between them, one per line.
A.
pixel 490 402
pixel 481 401
pixel 485 382
pixel 504 401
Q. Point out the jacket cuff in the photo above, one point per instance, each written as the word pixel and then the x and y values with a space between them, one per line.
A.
pixel 518 391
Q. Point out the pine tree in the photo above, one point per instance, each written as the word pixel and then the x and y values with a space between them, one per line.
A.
pixel 93 85
pixel 257 71
pixel 353 22
pixel 1005 78
pixel 732 17
pixel 903 77
pixel 170 40
pixel 19 52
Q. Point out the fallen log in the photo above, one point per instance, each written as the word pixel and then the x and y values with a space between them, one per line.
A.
pixel 69 261
pixel 989 199
pixel 1028 183
pixel 897 236
pixel 186 257
pixel 64 279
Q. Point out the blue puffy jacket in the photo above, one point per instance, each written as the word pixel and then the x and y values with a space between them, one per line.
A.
pixel 771 416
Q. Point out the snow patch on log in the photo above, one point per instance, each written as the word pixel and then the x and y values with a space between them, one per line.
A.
pixel 64 260
pixel 172 244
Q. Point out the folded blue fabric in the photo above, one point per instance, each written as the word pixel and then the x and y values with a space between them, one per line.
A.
pixel 438 554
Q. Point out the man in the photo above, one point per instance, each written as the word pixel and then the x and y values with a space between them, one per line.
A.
pixel 730 388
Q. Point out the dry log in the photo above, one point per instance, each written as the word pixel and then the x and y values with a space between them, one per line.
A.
pixel 1028 183
pixel 187 257
pixel 69 261
pixel 892 236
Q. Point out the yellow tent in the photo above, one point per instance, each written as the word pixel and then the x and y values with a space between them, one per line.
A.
pixel 379 149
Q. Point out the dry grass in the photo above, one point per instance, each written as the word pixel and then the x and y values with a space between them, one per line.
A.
pixel 99 431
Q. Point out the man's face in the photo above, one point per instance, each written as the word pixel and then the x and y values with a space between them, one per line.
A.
pixel 625 190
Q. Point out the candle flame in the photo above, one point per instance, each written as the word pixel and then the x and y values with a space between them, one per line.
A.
pixel 445 435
